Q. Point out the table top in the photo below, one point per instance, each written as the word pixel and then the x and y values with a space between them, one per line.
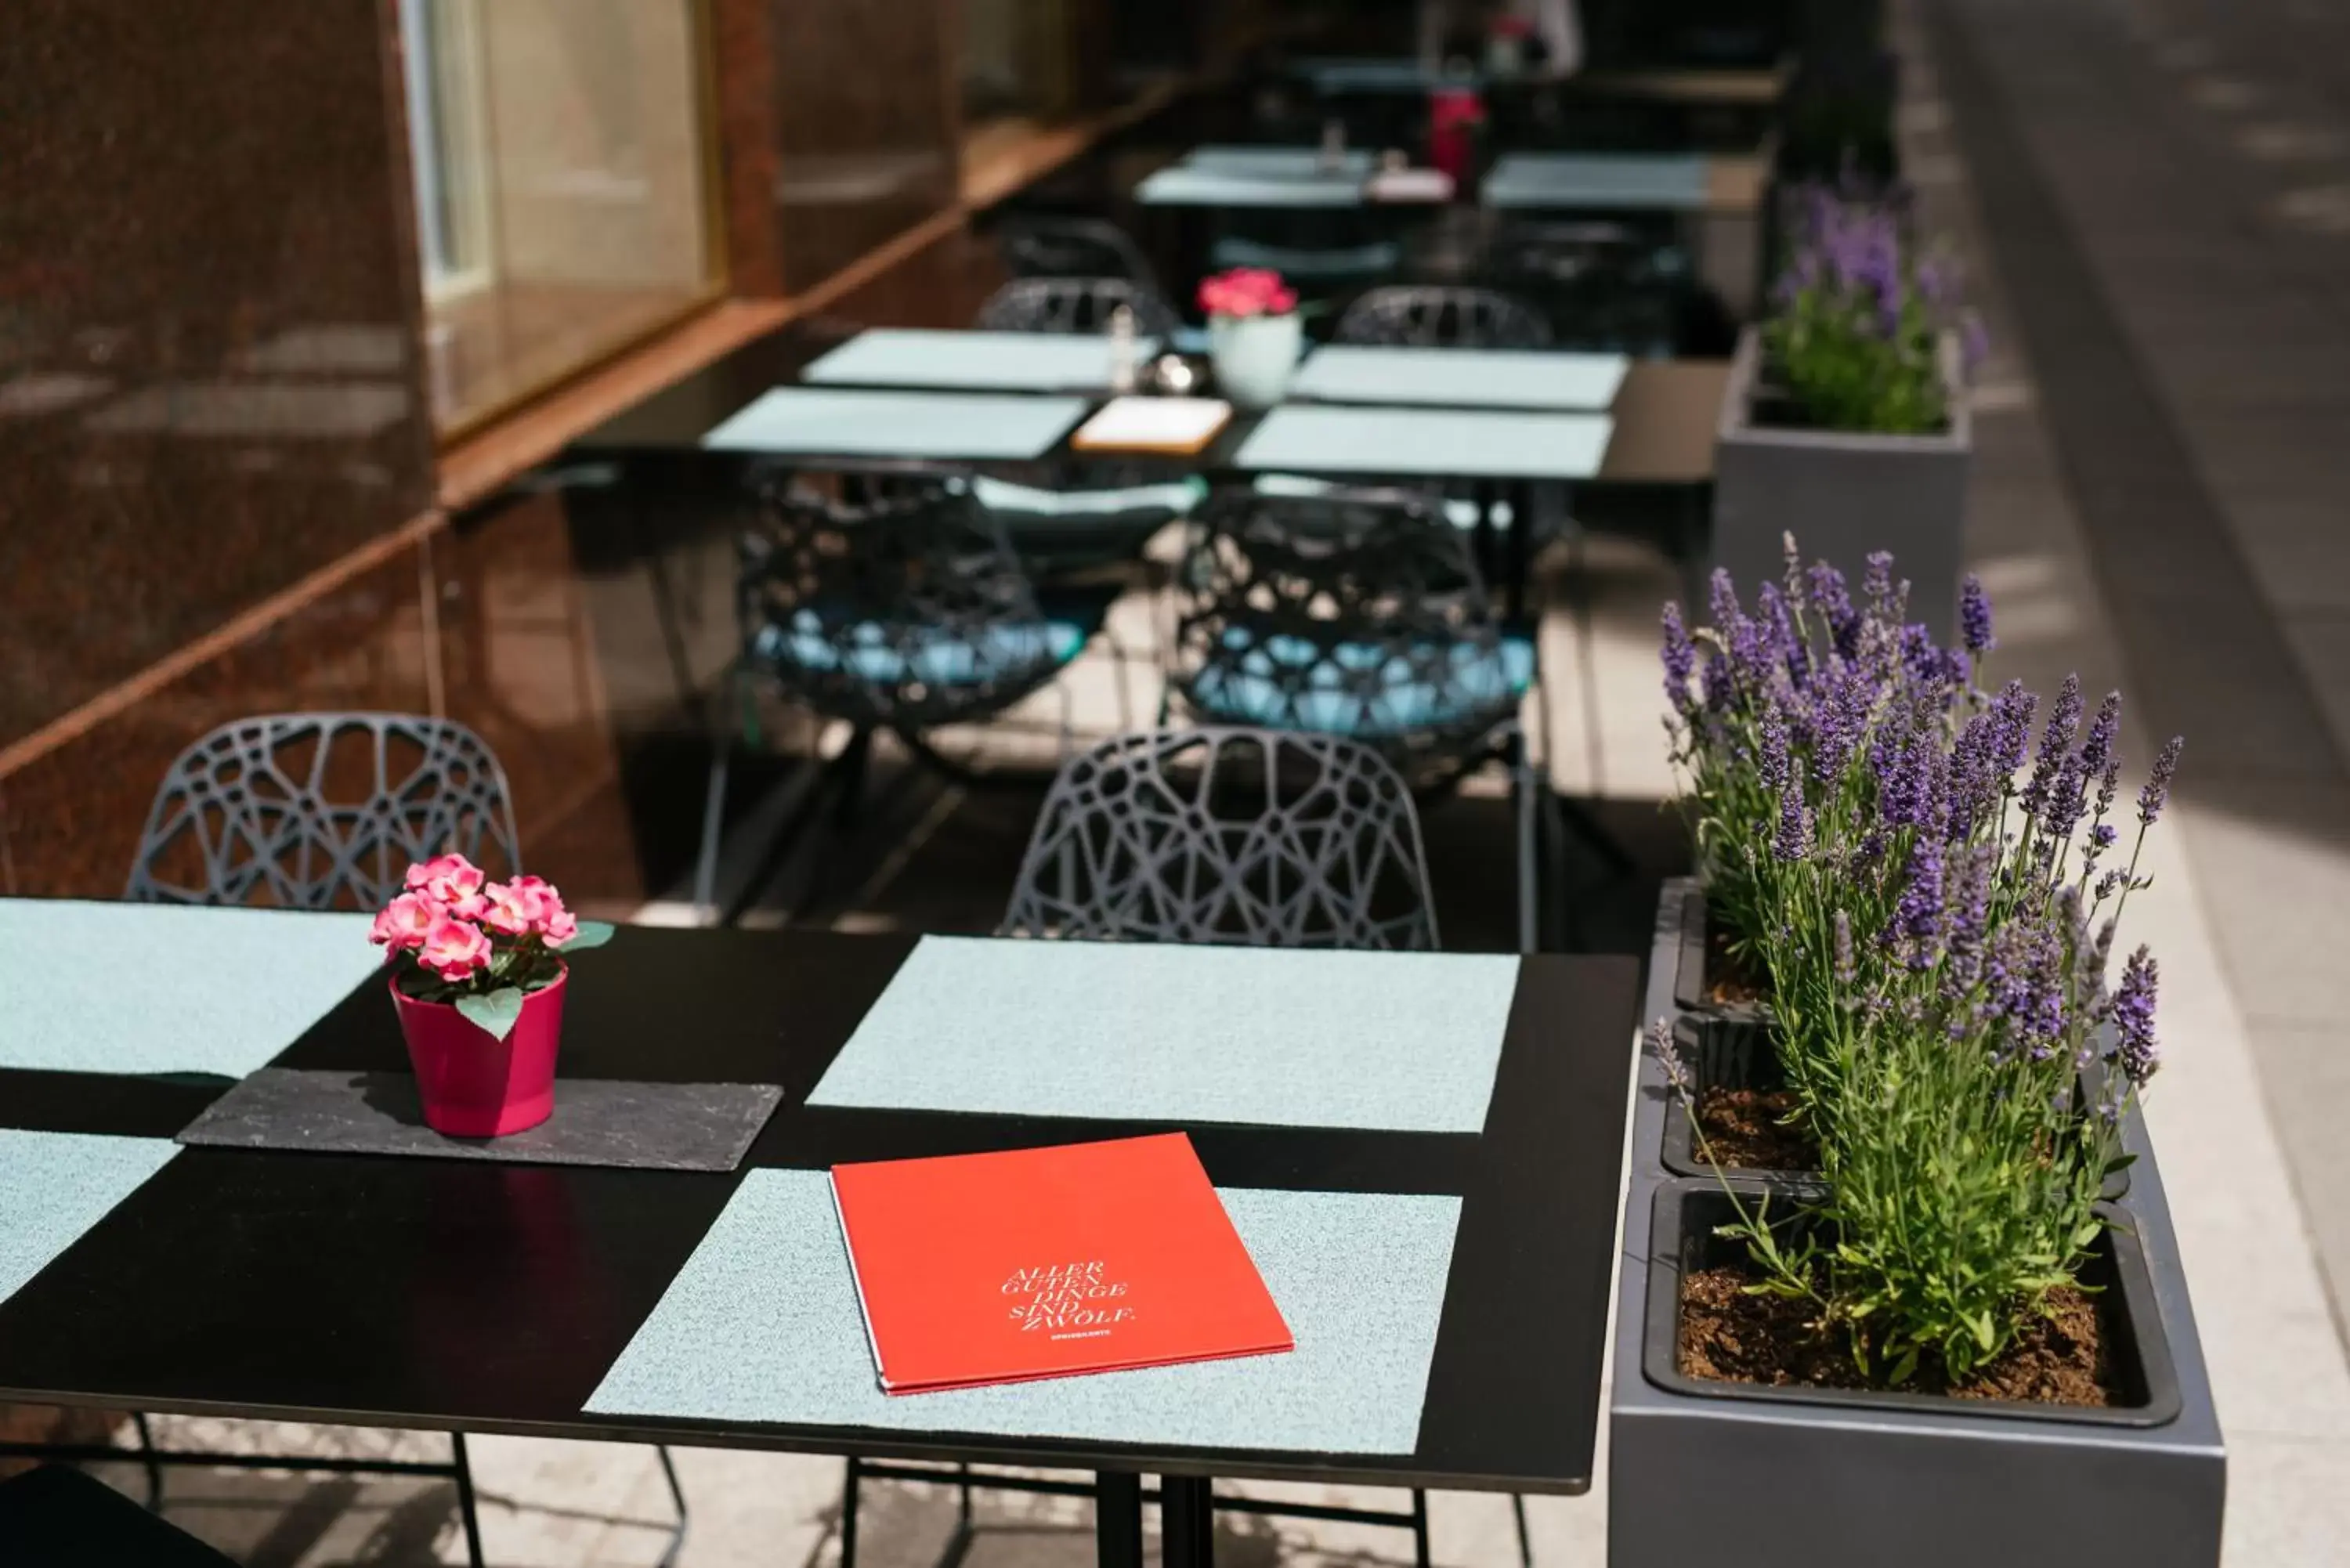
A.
pixel 1271 183
pixel 1748 87
pixel 1629 182
pixel 495 1297
pixel 1663 417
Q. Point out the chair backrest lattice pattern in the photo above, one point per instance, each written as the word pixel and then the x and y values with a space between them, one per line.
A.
pixel 321 811
pixel 1075 305
pixel 1356 613
pixel 1408 316
pixel 1072 247
pixel 904 608
pixel 1225 834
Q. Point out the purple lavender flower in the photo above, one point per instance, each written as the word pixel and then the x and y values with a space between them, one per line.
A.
pixel 2135 1049
pixel 1918 917
pixel 1974 617
pixel 2157 792
pixel 1771 764
pixel 2055 747
pixel 1834 601
pixel 1794 840
pixel 1721 600
pixel 1680 655
pixel 1974 343
pixel 1973 784
pixel 2012 713
pixel 1840 712
pixel 1877 587
pixel 1669 1055
pixel 1713 681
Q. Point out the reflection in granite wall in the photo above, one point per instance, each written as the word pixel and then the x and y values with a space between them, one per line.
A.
pixel 868 148
pixel 207 383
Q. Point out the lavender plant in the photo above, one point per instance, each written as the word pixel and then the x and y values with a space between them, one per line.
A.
pixel 1936 921
pixel 1855 329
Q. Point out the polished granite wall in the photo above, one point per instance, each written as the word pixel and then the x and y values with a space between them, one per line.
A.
pixel 867 137
pixel 207 382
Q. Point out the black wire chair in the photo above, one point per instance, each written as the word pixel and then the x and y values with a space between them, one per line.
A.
pixel 1251 836
pixel 1075 304
pixel 55 1517
pixel 1425 315
pixel 1042 246
pixel 1605 284
pixel 1359 614
pixel 320 811
pixel 899 605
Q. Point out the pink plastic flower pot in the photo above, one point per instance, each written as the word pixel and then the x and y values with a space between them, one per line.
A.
pixel 474 1086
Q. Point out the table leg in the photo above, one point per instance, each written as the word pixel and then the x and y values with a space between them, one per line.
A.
pixel 1118 1519
pixel 1187 1522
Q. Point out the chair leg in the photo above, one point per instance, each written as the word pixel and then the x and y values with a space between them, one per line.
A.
pixel 1419 1528
pixel 713 816
pixel 149 1463
pixel 1529 908
pixel 1526 1540
pixel 467 1514
pixel 677 1501
pixel 848 1514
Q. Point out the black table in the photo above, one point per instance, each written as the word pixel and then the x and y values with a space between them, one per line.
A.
pixel 485 1297
pixel 1665 414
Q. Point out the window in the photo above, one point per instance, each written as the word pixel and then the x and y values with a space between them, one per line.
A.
pixel 562 170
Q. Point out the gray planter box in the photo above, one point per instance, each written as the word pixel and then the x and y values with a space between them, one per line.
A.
pixel 1842 495
pixel 1797 1480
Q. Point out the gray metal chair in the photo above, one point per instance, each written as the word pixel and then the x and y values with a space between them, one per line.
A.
pixel 1227 835
pixel 1046 246
pixel 313 811
pixel 316 811
pixel 1419 316
pixel 1075 304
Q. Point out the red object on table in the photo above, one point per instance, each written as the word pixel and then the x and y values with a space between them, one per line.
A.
pixel 1046 1262
pixel 1453 115
pixel 474 1086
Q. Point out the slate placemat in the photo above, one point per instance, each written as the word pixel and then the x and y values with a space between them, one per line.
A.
pixel 1406 1042
pixel 763 1324
pixel 55 1186
pixel 168 988
pixel 1461 377
pixel 1673 182
pixel 1011 361
pixel 845 423
pixel 1451 442
pixel 597 1121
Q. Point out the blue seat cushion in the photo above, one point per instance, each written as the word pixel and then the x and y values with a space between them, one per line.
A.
pixel 1259 685
pixel 898 656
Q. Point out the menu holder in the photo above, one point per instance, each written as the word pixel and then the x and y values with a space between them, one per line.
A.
pixel 1176 425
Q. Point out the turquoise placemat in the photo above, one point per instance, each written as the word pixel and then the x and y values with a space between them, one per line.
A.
pixel 1461 377
pixel 1453 443
pixel 1186 185
pixel 1672 181
pixel 763 1324
pixel 163 988
pixel 1392 76
pixel 840 424
pixel 1296 163
pixel 1012 361
pixel 1401 1041
pixel 55 1186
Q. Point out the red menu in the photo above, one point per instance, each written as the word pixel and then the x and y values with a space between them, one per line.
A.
pixel 1045 1263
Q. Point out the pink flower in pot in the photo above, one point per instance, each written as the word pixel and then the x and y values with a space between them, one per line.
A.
pixel 478 978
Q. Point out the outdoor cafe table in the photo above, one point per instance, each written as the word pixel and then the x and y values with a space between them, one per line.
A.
pixel 1388 1128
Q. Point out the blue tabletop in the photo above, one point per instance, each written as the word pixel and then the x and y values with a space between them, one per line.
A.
pixel 1461 377
pixel 842 423
pixel 1443 443
pixel 1293 162
pixel 1197 185
pixel 1673 182
pixel 1006 361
